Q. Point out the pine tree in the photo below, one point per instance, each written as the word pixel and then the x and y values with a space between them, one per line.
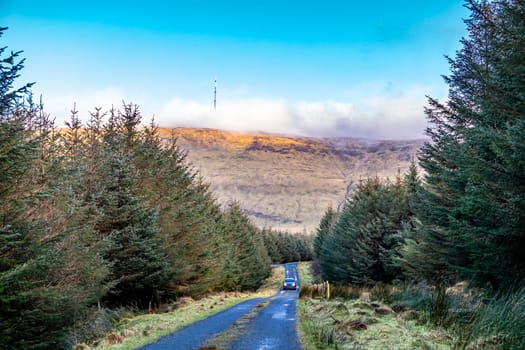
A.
pixel 22 266
pixel 190 220
pixel 48 279
pixel 336 250
pixel 472 211
pixel 247 247
pixel 271 244
pixel 136 252
pixel 323 231
pixel 364 243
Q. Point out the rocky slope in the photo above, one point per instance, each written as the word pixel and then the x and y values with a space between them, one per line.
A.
pixel 288 182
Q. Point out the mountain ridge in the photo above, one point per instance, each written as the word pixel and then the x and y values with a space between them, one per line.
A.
pixel 287 182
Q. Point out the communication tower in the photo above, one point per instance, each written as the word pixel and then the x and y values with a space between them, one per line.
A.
pixel 215 94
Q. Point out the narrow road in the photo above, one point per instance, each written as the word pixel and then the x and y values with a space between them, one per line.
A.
pixel 270 327
pixel 196 335
pixel 274 327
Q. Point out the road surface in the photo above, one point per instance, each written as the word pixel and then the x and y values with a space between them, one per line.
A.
pixel 267 324
pixel 274 327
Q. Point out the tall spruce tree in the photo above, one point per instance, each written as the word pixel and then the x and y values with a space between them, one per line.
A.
pixel 325 228
pixel 252 262
pixel 190 220
pixel 473 210
pixel 136 253
pixel 271 244
pixel 18 249
pixel 48 279
pixel 364 243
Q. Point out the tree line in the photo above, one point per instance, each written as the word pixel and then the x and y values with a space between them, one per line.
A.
pixel 463 215
pixel 101 215
pixel 284 247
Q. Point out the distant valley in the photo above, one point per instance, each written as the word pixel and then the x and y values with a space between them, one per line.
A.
pixel 287 182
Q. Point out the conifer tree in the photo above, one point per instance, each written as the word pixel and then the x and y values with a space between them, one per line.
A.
pixel 271 244
pixel 136 251
pixel 303 245
pixel 286 247
pixel 135 255
pixel 323 231
pixel 473 210
pixel 18 250
pixel 48 279
pixel 363 245
pixel 190 220
pixel 335 251
pixel 248 249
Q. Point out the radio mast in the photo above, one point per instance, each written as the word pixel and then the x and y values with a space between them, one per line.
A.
pixel 215 94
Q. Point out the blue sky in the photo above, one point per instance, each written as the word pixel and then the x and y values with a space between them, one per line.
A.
pixel 320 68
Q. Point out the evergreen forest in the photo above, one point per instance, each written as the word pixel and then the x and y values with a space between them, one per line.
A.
pixel 106 214
pixel 457 217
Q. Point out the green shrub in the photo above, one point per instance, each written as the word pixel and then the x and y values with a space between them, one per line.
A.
pixel 432 301
pixel 98 322
pixel 416 297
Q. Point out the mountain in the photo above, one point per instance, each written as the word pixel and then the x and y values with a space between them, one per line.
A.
pixel 287 182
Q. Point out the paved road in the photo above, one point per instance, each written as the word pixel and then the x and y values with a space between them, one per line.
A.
pixel 272 327
pixel 196 334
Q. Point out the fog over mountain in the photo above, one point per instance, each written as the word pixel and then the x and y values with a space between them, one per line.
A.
pixel 397 114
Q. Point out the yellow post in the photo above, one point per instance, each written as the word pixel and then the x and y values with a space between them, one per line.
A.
pixel 327 290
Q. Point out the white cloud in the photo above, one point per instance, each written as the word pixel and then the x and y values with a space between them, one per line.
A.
pixel 378 111
pixel 248 114
pixel 380 117
pixel 60 105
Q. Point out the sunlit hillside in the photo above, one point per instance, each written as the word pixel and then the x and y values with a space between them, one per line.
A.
pixel 288 182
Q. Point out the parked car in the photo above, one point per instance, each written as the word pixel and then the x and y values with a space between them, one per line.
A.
pixel 290 283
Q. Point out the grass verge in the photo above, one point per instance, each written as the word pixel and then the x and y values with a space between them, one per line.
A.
pixel 422 317
pixel 134 331
pixel 498 324
pixel 304 269
pixel 362 324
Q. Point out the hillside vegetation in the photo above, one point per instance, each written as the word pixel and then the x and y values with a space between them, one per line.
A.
pixel 287 182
